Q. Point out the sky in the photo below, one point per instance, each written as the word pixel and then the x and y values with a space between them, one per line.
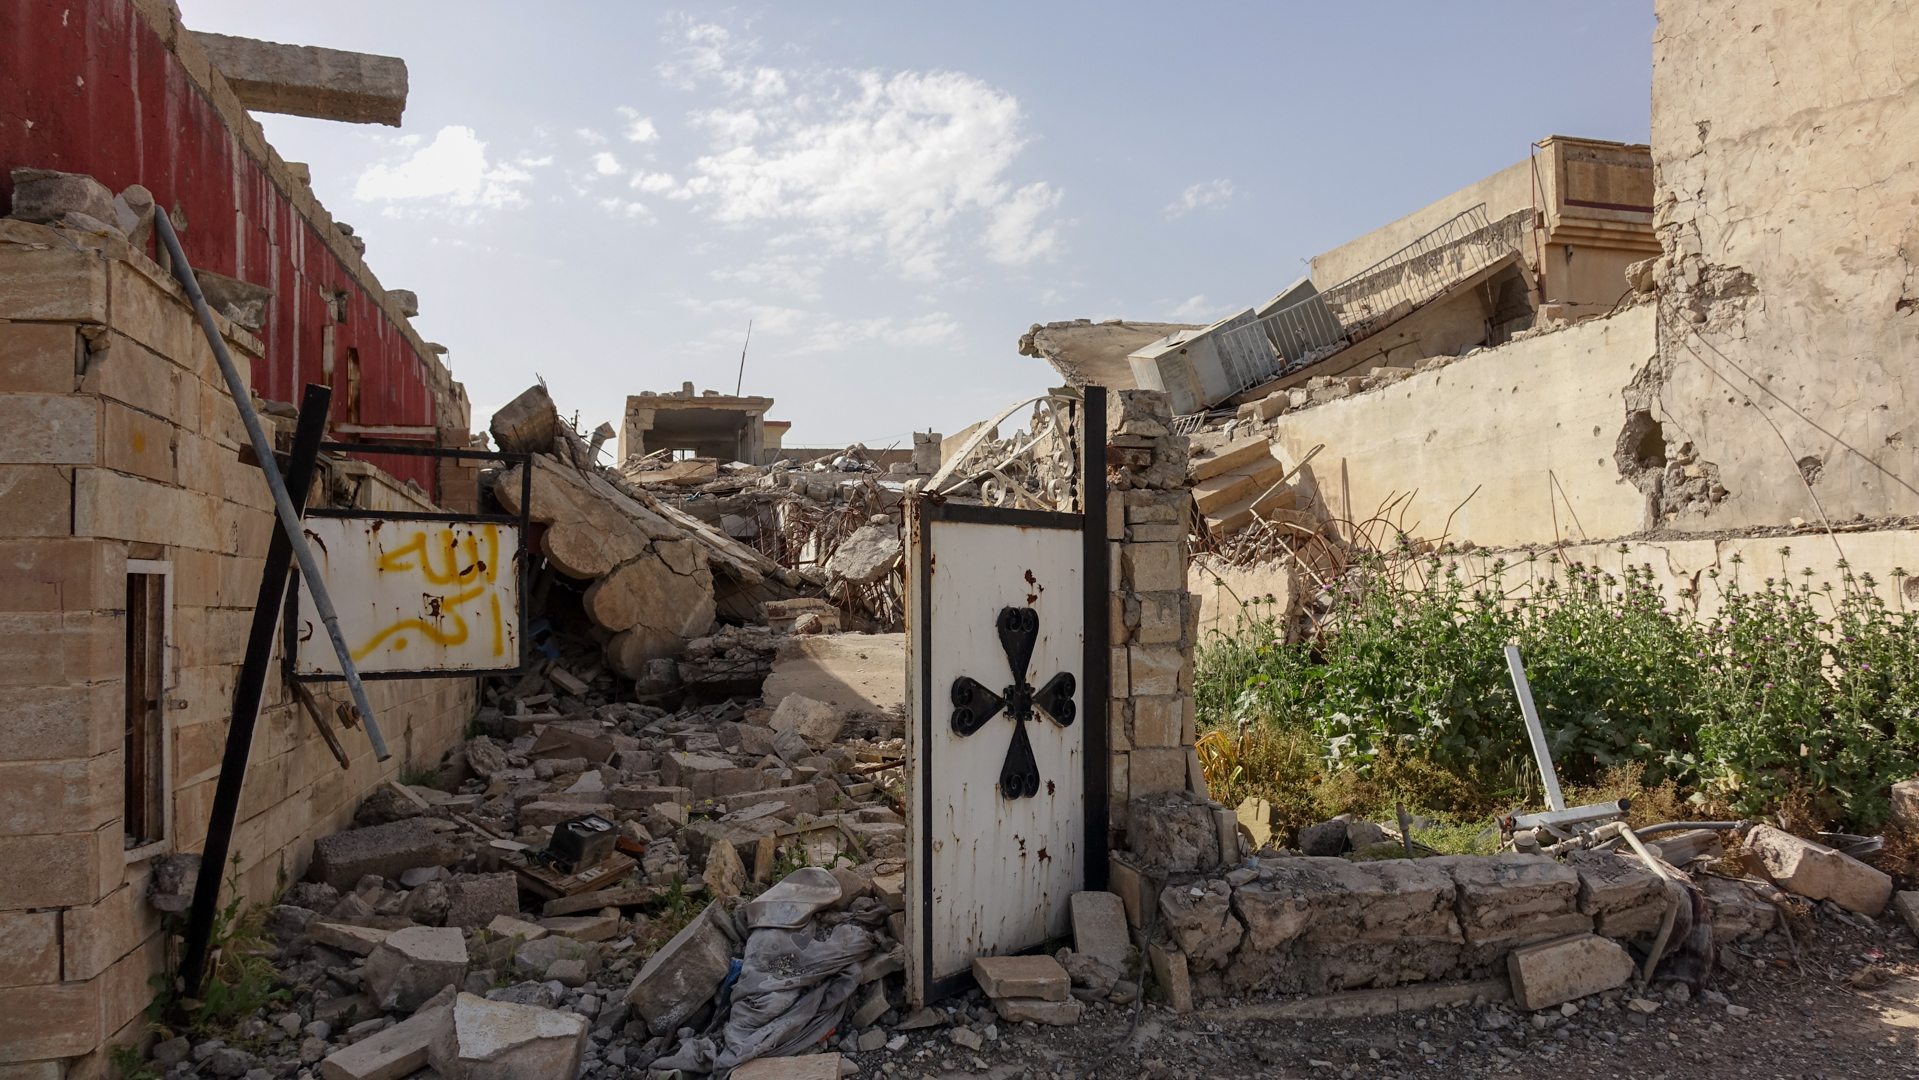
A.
pixel 603 195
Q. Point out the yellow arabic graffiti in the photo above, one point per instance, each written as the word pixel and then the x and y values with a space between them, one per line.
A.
pixel 461 567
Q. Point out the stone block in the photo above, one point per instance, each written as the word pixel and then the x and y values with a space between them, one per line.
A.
pixel 413 964
pixel 1039 1011
pixel 1738 914
pixel 1907 904
pixel 358 940
pixel 1622 897
pixel 1156 770
pixel 389 1054
pixel 1166 831
pixel 1022 977
pixel 817 722
pixel 499 1040
pixel 481 899
pixel 682 975
pixel 1156 721
pixel 1511 898
pixel 1154 670
pixel 801 1067
pixel 1818 872
pixel 1199 919
pixel 1169 970
pixel 582 927
pixel 1150 568
pixel 506 926
pixel 1905 806
pixel 556 958
pixel 1551 973
pixel 1099 927
pixel 29 948
pixel 44 196
pixel 552 813
pixel 342 859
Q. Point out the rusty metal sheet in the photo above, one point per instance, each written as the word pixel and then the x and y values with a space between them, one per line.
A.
pixel 415 595
pixel 1001 864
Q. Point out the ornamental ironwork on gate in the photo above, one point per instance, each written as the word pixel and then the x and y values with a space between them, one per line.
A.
pixel 1006 651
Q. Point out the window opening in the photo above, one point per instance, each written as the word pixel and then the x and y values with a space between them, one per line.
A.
pixel 146 689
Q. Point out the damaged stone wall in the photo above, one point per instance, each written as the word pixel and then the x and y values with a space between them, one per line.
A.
pixel 119 442
pixel 1788 210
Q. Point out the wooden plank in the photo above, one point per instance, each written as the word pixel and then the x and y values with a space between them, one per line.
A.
pixel 544 882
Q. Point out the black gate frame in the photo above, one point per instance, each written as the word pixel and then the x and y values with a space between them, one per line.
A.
pixel 522 559
pixel 1095 683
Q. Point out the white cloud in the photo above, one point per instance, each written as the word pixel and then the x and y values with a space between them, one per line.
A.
pixel 639 128
pixel 798 277
pixel 592 138
pixel 1210 193
pixel 623 208
pixel 453 168
pixel 606 164
pixel 863 162
pixel 1196 309
pixel 654 183
pixel 1014 236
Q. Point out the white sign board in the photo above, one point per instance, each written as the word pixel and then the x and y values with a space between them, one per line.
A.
pixel 414 595
pixel 991 870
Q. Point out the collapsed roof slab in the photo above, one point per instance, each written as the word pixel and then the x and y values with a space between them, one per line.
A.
pixel 304 80
pixel 1086 353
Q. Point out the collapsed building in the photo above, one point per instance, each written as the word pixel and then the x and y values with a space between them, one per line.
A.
pixel 700 776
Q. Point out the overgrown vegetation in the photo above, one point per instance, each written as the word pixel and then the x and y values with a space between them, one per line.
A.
pixel 1784 692
pixel 238 978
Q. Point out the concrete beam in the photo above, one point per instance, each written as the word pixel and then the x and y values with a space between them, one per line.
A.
pixel 303 80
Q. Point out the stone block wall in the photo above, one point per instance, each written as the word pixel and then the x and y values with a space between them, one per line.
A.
pixel 118 442
pixel 1154 620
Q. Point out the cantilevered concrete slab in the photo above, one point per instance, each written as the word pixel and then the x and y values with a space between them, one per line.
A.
pixel 304 80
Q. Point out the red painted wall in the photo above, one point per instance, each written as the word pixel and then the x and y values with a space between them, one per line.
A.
pixel 86 86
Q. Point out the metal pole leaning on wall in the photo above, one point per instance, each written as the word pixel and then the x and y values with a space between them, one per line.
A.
pixel 246 696
pixel 263 449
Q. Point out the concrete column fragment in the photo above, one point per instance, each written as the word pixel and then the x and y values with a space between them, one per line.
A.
pixel 303 80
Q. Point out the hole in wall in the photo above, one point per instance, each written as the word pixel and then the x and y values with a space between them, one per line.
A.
pixel 1810 468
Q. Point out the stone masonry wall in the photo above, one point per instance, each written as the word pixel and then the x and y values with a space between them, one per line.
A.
pixel 118 441
pixel 1153 617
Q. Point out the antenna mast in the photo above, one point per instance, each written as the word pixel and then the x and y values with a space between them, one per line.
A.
pixel 741 381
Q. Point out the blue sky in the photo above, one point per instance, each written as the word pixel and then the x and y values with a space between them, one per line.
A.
pixel 605 194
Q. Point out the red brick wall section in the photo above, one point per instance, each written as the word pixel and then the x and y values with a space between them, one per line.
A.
pixel 88 86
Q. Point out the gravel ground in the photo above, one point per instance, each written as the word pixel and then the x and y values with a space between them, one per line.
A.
pixel 1851 1013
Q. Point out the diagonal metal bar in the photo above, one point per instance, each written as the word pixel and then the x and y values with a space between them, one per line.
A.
pixel 246 695
pixel 282 503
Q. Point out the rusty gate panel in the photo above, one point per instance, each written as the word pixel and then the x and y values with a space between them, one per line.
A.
pixel 996 735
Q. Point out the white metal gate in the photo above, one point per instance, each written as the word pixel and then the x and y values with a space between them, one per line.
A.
pixel 1005 755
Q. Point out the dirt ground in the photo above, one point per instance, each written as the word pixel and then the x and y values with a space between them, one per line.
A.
pixel 1766 1015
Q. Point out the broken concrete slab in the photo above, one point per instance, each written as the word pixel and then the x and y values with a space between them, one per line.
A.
pixel 725 874
pixel 1200 921
pixel 817 722
pixel 788 905
pixel 683 974
pixel 1907 904
pixel 1623 898
pixel 1818 872
pixel 304 80
pixel 44 196
pixel 582 927
pixel 1099 927
pixel 413 964
pixel 358 940
pixel 1511 898
pixel 802 1067
pixel 867 555
pixel 1169 970
pixel 481 899
pixel 389 1054
pixel 506 926
pixel 1170 833
pixel 1550 973
pixel 498 1040
pixel 1039 977
pixel 387 851
pixel 1039 1011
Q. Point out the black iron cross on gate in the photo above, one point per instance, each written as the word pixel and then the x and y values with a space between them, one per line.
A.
pixel 974 705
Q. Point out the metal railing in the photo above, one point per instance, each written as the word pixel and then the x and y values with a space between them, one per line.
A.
pixel 1304 333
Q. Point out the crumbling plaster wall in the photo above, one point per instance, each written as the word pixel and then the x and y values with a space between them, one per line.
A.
pixel 1788 208
pixel 1505 441
pixel 118 442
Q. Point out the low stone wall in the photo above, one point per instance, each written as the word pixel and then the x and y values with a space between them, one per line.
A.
pixel 1298 924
